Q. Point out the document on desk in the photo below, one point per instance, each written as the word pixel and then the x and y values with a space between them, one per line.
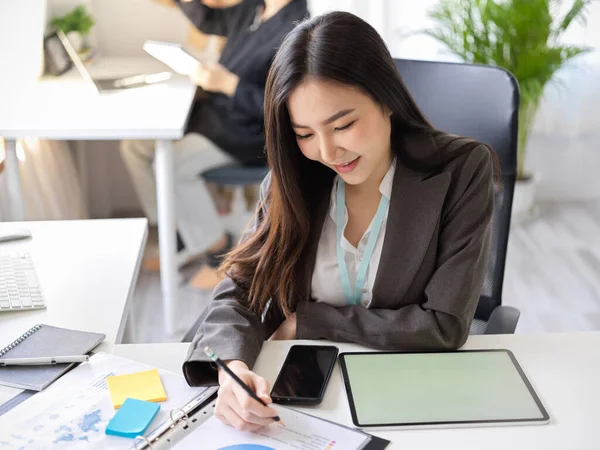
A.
pixel 73 412
pixel 301 432
pixel 8 393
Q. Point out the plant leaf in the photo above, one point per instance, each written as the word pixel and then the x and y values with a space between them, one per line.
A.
pixel 577 12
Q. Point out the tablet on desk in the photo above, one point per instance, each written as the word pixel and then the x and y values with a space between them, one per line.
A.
pixel 439 390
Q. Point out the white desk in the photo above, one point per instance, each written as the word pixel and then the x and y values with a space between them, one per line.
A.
pixel 564 369
pixel 68 108
pixel 87 270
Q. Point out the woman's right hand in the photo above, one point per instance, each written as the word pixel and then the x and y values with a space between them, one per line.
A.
pixel 235 407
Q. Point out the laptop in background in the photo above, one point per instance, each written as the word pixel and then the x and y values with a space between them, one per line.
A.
pixel 109 84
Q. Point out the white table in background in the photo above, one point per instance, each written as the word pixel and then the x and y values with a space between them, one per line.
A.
pixel 563 368
pixel 68 108
pixel 87 270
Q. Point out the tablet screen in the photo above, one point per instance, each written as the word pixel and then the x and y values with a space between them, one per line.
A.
pixel 173 55
pixel 460 388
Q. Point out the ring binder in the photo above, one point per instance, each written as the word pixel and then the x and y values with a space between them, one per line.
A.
pixel 185 415
pixel 144 441
pixel 179 417
pixel 20 339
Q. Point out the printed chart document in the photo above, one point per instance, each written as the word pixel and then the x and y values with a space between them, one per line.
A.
pixel 73 412
pixel 302 432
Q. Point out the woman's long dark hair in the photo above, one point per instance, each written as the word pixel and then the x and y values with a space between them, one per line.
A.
pixel 338 47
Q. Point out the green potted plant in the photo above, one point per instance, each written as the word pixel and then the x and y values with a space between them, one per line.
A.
pixel 76 25
pixel 522 36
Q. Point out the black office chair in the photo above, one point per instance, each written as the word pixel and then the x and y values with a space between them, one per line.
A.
pixel 481 102
pixel 236 175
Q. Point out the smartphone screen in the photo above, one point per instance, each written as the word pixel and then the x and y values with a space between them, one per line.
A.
pixel 304 375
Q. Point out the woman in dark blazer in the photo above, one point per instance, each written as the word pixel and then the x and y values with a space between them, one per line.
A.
pixel 373 227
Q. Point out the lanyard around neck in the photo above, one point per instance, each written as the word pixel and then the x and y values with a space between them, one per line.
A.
pixel 353 296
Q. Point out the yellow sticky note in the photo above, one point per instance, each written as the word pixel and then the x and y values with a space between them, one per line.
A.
pixel 141 386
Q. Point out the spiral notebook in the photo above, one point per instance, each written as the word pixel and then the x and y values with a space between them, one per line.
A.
pixel 44 340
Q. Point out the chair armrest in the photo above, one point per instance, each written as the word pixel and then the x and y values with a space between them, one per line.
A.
pixel 503 320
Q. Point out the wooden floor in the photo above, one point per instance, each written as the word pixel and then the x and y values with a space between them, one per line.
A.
pixel 553 269
pixel 146 324
pixel 552 277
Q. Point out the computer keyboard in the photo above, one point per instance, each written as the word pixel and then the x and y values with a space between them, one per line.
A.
pixel 19 285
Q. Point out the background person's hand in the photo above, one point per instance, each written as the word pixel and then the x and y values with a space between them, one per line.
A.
pixel 235 407
pixel 286 331
pixel 219 3
pixel 169 3
pixel 213 77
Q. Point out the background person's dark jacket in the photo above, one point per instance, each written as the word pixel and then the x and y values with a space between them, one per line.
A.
pixel 236 124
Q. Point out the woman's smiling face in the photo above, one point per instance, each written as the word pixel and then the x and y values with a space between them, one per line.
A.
pixel 342 128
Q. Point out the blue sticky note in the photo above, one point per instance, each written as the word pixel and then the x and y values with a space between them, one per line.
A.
pixel 132 418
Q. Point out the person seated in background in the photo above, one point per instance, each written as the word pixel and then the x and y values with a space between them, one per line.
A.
pixel 226 122
pixel 373 227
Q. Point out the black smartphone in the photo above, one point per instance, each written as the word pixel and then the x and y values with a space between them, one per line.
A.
pixel 304 375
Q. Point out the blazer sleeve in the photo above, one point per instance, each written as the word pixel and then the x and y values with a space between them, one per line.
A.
pixel 217 21
pixel 443 320
pixel 227 326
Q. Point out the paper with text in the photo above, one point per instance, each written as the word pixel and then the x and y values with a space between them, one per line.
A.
pixel 8 393
pixel 73 412
pixel 302 432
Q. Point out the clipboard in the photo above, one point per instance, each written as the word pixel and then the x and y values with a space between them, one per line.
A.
pixel 195 413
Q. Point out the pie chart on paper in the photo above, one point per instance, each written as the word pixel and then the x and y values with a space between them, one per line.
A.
pixel 246 447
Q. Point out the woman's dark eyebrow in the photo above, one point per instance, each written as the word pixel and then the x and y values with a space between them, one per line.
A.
pixel 333 118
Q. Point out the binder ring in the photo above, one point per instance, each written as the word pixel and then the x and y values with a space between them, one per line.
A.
pixel 185 417
pixel 142 439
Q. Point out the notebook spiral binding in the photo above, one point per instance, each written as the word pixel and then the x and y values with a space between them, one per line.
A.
pixel 20 339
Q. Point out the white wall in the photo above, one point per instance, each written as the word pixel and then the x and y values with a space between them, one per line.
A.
pixel 21 60
pixel 21 37
pixel 124 25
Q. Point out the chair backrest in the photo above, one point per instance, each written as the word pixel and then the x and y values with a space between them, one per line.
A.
pixel 236 175
pixel 481 102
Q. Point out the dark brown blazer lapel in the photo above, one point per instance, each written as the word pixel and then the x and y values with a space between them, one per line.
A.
pixel 415 209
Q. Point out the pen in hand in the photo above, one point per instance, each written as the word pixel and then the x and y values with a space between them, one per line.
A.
pixel 223 366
